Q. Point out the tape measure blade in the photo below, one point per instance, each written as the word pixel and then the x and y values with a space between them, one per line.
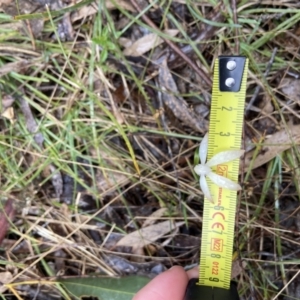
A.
pixel 225 131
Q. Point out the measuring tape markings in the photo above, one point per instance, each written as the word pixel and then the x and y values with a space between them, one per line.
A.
pixel 225 130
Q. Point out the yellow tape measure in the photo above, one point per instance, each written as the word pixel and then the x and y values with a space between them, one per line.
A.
pixel 225 132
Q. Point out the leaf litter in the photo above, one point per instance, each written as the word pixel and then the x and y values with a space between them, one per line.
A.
pixel 147 235
pixel 147 43
pixel 175 103
pixel 98 142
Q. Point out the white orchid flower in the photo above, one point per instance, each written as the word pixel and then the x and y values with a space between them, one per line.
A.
pixel 204 169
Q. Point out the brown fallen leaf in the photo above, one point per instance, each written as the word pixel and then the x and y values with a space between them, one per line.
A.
pixel 126 267
pixel 34 27
pixel 147 43
pixel 89 10
pixel 272 146
pixel 7 101
pixel 7 214
pixel 155 216
pixel 15 66
pixel 65 30
pixel 237 268
pixel 5 278
pixel 7 109
pixel 290 87
pixel 9 114
pixel 176 103
pixel 31 124
pixel 31 27
pixel 107 179
pixel 147 235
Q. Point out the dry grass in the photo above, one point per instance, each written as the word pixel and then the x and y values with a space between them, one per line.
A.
pixel 93 153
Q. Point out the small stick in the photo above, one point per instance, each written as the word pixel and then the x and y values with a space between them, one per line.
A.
pixel 257 89
pixel 173 46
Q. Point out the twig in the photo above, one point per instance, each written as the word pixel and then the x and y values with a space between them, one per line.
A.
pixel 173 46
pixel 257 89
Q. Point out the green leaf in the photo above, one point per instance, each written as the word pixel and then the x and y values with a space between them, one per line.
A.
pixel 110 45
pixel 105 32
pixel 106 288
pixel 103 55
pixel 100 40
